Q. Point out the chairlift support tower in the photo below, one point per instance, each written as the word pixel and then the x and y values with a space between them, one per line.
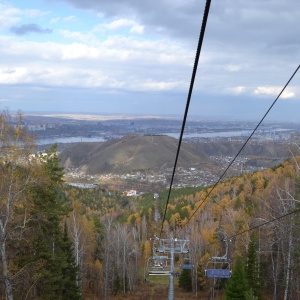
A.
pixel 172 246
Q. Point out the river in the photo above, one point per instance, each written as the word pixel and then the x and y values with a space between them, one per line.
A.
pixel 78 139
pixel 65 140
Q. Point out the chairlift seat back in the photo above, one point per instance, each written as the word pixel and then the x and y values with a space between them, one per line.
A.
pixel 186 266
pixel 218 273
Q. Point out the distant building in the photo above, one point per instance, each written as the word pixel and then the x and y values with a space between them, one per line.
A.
pixel 36 127
pixel 82 185
pixel 131 193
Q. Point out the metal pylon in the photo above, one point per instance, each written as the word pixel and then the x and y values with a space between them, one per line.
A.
pixel 172 246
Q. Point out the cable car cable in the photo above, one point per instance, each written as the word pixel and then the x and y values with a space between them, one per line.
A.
pixel 230 238
pixel 265 223
pixel 200 42
pixel 223 174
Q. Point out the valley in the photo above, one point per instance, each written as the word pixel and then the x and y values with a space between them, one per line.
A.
pixel 98 213
pixel 215 143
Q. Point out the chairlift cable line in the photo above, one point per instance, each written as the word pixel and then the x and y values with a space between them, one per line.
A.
pixel 243 146
pixel 200 42
pixel 230 238
pixel 218 273
pixel 265 223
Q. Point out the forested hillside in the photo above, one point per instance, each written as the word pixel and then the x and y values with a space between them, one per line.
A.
pixel 119 229
pixel 63 242
pixel 37 260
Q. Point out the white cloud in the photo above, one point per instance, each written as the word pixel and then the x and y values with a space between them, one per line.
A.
pixel 87 38
pixel 235 90
pixel 55 76
pixel 54 20
pixel 274 91
pixel 121 23
pixel 234 67
pixel 34 13
pixel 9 16
pixel 76 51
pixel 139 29
pixel 117 62
pixel 13 75
pixel 69 19
pixel 139 47
pixel 65 19
pixel 159 86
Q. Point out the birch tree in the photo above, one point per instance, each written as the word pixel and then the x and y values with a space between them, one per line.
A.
pixel 17 173
pixel 107 259
pixel 83 238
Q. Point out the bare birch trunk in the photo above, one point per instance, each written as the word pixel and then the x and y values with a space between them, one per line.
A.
pixel 107 256
pixel 288 267
pixel 124 265
pixel 275 272
pixel 76 235
pixel 5 275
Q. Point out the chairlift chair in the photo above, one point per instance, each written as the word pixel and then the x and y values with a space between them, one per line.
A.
pixel 157 265
pixel 218 267
pixel 187 264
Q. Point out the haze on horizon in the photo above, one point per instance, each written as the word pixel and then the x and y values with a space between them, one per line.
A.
pixel 136 57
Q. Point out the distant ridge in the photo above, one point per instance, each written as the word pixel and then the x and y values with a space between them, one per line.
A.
pixel 131 153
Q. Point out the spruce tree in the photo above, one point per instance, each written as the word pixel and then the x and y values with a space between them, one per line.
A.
pixel 185 280
pixel 253 268
pixel 237 287
pixel 250 295
pixel 57 271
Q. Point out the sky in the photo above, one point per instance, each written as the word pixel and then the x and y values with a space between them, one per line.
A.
pixel 137 56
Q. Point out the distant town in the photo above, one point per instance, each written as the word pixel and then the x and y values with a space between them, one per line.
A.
pixel 69 129
pixel 63 127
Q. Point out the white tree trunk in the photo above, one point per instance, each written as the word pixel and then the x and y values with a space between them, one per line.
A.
pixel 288 266
pixel 5 275
pixel 107 256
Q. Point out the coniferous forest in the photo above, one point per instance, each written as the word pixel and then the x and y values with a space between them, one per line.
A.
pixel 64 242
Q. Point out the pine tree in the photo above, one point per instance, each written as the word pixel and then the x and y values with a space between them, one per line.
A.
pixel 237 287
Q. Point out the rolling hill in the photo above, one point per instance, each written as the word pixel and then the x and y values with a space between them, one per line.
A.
pixel 131 153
